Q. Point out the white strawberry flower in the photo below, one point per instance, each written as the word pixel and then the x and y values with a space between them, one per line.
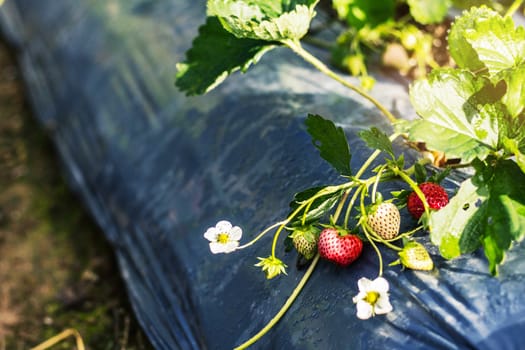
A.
pixel 372 298
pixel 224 237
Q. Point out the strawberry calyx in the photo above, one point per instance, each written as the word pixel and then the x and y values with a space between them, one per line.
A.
pixel 304 240
pixel 309 232
pixel 341 231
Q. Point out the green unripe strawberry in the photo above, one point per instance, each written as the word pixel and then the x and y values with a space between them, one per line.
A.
pixel 415 257
pixel 305 241
pixel 385 220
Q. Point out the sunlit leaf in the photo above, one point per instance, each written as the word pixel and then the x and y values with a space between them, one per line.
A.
pixel 264 20
pixel 215 54
pixel 457 118
pixel 488 210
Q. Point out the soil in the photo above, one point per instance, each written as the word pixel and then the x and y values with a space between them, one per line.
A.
pixel 56 269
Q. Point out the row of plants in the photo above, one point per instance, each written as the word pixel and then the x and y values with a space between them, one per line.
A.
pixel 471 114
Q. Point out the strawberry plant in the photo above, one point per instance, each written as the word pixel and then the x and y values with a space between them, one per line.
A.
pixel 473 113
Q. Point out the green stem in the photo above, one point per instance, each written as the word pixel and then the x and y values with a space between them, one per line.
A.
pixel 374 236
pixel 513 8
pixel 408 233
pixel 379 256
pixel 376 183
pixel 351 205
pixel 414 187
pixel 295 46
pixel 372 157
pixel 340 206
pixel 306 210
pixel 262 234
pixel 320 193
pixel 360 173
pixel 368 236
pixel 285 307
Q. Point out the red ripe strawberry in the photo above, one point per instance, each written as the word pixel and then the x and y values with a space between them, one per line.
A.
pixel 385 220
pixel 339 246
pixel 435 195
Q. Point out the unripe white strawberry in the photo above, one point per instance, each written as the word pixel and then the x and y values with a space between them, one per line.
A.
pixel 385 220
pixel 414 256
pixel 305 241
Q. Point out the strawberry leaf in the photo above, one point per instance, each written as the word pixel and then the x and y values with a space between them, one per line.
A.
pixel 215 54
pixel 458 220
pixel 428 11
pixel 331 142
pixel 420 173
pixel 457 117
pixel 319 207
pixel 505 219
pixel 482 38
pixel 512 146
pixel 488 210
pixel 514 98
pixel 376 139
pixel 270 20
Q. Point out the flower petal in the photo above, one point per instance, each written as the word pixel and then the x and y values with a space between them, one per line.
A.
pixel 223 226
pixel 359 297
pixel 211 234
pixel 235 233
pixel 379 285
pixel 383 305
pixel 364 284
pixel 364 310
pixel 216 247
pixel 230 246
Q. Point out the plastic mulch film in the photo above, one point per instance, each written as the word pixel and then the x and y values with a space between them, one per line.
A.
pixel 156 169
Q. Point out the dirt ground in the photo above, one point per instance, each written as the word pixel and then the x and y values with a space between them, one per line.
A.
pixel 56 269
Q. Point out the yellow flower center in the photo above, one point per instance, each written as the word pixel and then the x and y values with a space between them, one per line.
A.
pixel 371 297
pixel 222 238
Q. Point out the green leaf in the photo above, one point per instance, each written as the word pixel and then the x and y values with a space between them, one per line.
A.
pixel 459 48
pixel 361 13
pixel 457 219
pixel 512 147
pixel 505 220
pixel 331 143
pixel 376 139
pixel 498 43
pixel 488 210
pixel 420 173
pixel 514 97
pixel 320 206
pixel 428 11
pixel 265 20
pixel 482 38
pixel 215 55
pixel 457 118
